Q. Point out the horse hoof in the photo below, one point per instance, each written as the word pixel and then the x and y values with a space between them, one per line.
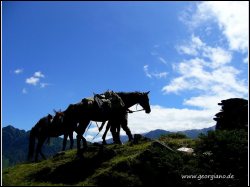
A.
pixel 119 143
pixel 131 139
pixel 79 152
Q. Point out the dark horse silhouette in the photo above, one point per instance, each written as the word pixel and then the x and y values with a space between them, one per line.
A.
pixel 80 113
pixel 115 129
pixel 83 115
pixel 44 130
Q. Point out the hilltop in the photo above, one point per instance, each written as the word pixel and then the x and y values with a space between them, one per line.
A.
pixel 142 162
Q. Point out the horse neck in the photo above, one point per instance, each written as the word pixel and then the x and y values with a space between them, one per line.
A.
pixel 68 113
pixel 41 122
pixel 130 98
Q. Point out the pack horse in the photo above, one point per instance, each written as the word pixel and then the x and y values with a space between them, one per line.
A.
pixel 100 109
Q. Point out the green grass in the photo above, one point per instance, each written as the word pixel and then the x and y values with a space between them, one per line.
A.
pixel 70 169
pixel 141 163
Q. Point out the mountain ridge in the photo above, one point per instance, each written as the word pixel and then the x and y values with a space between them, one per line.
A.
pixel 15 143
pixel 154 134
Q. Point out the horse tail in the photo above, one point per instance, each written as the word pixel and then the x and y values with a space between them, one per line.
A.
pixel 31 144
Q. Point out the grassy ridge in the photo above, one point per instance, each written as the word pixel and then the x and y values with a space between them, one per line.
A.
pixel 141 162
pixel 99 165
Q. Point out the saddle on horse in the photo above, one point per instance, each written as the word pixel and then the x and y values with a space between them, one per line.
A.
pixel 53 121
pixel 107 102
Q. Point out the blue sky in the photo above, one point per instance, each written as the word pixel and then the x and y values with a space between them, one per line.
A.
pixel 189 55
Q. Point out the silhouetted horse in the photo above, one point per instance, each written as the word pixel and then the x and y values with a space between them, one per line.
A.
pixel 44 130
pixel 83 114
pixel 70 135
pixel 115 129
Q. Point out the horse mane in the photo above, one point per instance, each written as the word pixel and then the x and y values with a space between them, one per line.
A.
pixel 39 123
pixel 128 93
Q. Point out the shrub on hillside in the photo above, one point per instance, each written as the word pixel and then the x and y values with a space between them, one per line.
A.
pixel 224 152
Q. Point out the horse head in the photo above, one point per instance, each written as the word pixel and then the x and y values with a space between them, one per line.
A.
pixel 144 101
pixel 59 113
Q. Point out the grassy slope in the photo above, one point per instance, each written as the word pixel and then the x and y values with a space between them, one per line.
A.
pixel 70 169
pixel 136 163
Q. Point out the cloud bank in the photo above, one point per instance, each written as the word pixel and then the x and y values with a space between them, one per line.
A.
pixel 232 18
pixel 34 80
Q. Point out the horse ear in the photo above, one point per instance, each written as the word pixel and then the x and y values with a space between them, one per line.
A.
pixel 54 110
pixel 147 92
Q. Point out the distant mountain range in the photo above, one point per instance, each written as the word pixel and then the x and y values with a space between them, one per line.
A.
pixel 194 133
pixel 15 146
pixel 15 143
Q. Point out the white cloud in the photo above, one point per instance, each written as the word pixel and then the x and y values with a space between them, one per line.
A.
pixel 186 50
pixel 245 60
pixel 161 59
pixel 232 18
pixel 196 42
pixel 209 101
pixel 176 85
pixel 210 81
pixel 218 56
pixel 24 91
pixel 200 74
pixel 170 119
pixel 39 74
pixel 18 71
pixel 208 30
pixel 42 85
pixel 195 47
pixel 160 75
pixel 192 47
pixel 32 80
pixel 193 76
pixel 145 68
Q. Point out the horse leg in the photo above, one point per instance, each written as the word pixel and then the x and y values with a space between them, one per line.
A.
pixel 43 156
pixel 71 140
pixel 39 148
pixel 78 142
pixel 113 132
pixel 124 124
pixel 80 131
pixel 105 133
pixel 79 138
pixel 118 127
pixel 84 141
pixel 64 141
